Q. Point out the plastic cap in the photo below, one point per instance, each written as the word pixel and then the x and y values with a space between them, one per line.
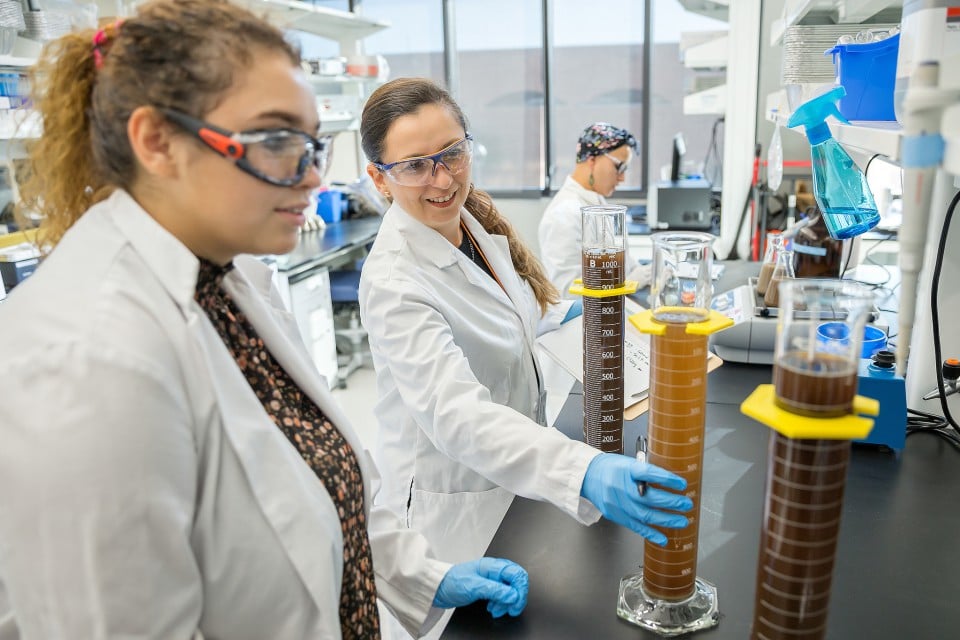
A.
pixel 951 368
pixel 813 115
pixel 885 359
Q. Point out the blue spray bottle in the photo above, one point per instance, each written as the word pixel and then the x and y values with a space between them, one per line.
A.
pixel 839 186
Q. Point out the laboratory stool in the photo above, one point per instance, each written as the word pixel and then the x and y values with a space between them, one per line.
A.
pixel 344 293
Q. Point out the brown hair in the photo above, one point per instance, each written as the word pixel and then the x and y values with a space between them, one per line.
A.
pixel 177 54
pixel 404 96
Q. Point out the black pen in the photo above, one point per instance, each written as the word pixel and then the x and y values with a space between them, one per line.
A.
pixel 642 457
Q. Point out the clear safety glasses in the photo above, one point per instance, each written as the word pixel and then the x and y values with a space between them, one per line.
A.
pixel 619 165
pixel 279 156
pixel 419 171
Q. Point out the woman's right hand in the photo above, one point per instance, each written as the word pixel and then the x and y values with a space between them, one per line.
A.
pixel 611 485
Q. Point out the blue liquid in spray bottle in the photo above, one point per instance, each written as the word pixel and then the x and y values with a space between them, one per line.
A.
pixel 839 186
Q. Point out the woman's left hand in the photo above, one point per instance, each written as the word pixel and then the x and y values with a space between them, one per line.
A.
pixel 501 582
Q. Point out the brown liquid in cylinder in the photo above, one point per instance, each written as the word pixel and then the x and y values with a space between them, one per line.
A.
pixel 805 483
pixel 678 370
pixel 821 387
pixel 763 281
pixel 603 352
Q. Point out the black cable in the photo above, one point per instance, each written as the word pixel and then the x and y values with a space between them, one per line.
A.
pixel 713 147
pixel 935 313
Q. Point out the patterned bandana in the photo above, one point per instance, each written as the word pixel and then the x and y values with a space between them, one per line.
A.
pixel 602 137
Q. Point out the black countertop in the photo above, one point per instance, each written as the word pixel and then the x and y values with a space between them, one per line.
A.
pixel 898 566
pixel 324 245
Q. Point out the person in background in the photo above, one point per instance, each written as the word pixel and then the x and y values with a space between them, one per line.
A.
pixel 603 157
pixel 452 301
pixel 173 466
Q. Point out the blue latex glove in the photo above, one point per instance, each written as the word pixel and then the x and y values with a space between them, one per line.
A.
pixel 611 485
pixel 575 310
pixel 501 582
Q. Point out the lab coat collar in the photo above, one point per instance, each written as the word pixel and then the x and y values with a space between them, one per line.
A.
pixel 436 249
pixel 429 244
pixel 170 260
pixel 583 194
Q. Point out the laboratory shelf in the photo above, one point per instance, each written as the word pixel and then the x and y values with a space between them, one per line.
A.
pixel 834 11
pixel 716 9
pixel 16 62
pixel 870 137
pixel 711 101
pixel 712 54
pixel 321 21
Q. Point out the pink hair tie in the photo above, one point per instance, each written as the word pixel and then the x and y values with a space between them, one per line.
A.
pixel 100 38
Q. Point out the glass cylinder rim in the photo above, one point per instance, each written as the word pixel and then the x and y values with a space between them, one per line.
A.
pixel 697 238
pixel 851 290
pixel 603 208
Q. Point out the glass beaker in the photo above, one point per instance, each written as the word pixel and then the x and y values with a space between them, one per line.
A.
pixel 603 268
pixel 818 344
pixel 681 287
pixel 774 246
pixel 782 270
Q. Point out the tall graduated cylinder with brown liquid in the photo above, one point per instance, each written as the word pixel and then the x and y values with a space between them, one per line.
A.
pixel 667 596
pixel 815 381
pixel 603 273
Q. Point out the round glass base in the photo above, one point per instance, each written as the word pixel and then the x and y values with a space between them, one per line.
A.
pixel 699 611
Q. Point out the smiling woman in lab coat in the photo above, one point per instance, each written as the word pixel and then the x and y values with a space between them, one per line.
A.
pixel 453 301
pixel 603 158
pixel 172 465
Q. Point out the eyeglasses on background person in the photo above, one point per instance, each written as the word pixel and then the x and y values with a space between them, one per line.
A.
pixel 419 171
pixel 619 165
pixel 278 156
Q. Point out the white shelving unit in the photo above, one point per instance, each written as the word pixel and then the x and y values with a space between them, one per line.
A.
pixel 712 54
pixel 708 102
pixel 716 9
pixel 836 11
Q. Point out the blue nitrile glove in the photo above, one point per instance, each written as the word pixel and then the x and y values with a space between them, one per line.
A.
pixel 575 310
pixel 611 485
pixel 501 582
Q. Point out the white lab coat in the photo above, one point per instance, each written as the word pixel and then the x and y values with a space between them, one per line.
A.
pixel 561 238
pixel 144 492
pixel 458 388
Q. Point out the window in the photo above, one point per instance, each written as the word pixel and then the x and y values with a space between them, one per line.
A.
pixel 501 90
pixel 597 75
pixel 413 44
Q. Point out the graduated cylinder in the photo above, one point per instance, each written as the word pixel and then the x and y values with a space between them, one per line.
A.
pixel 812 409
pixel 604 254
pixel 678 371
pixel 667 597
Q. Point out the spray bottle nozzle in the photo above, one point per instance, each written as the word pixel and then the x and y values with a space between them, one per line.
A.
pixel 813 115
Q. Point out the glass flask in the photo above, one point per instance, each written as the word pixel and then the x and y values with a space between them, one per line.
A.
pixel 774 246
pixel 782 270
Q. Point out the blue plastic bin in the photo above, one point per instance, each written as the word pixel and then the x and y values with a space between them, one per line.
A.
pixel 868 73
pixel 330 205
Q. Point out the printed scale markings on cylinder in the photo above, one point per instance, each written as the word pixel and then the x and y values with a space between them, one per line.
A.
pixel 666 596
pixel 603 287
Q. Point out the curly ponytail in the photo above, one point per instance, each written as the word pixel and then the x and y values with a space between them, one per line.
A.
pixel 480 205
